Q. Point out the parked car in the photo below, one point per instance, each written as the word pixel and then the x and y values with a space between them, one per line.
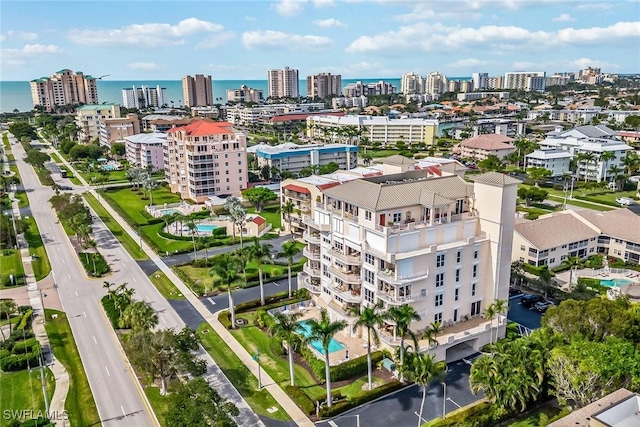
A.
pixel 514 291
pixel 65 187
pixel 528 300
pixel 542 306
pixel 624 201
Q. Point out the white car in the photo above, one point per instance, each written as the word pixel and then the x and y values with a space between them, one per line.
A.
pixel 624 201
pixel 635 178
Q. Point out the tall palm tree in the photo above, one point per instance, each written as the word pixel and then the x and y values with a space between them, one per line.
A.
pixel 193 230
pixel 573 262
pixel 287 211
pixel 287 329
pixel 150 184
pixel 587 158
pixel 631 162
pixel 261 254
pixel 615 172
pixel 227 270
pixel 140 316
pixel 289 250
pixel 422 369
pixel 369 318
pixel 605 157
pixel 402 316
pixel 431 334
pixel 8 307
pixel 499 306
pixel 323 331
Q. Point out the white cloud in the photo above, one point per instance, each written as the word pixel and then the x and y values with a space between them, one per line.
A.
pixel 613 32
pixel 565 17
pixel 146 66
pixel 27 35
pixel 24 35
pixel 149 35
pixel 324 3
pixel 428 11
pixel 574 64
pixel 41 49
pixel 278 39
pixel 331 22
pixel 582 63
pixel 468 63
pixel 250 18
pixel 216 40
pixel 289 7
pixel 28 53
pixel 595 6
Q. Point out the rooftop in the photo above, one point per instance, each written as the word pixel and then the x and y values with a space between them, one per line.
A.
pixel 619 223
pixel 203 128
pixel 96 107
pixel 555 230
pixel 147 138
pixel 290 147
pixel 549 154
pixel 618 409
pixel 489 141
pixel 495 178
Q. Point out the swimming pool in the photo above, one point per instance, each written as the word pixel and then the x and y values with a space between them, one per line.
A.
pixel 615 282
pixel 170 211
pixel 334 345
pixel 108 167
pixel 206 228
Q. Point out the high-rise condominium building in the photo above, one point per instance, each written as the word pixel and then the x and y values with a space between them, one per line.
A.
pixel 525 80
pixel 436 83
pixel 197 91
pixel 359 88
pixel 205 158
pixel 495 82
pixel 411 84
pixel 245 94
pixel 144 97
pixel 323 85
pixel 64 88
pixel 283 83
pixel 480 81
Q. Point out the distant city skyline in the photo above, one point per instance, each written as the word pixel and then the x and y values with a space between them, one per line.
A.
pixel 354 38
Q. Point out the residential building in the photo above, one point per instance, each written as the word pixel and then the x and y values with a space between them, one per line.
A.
pixel 557 161
pixel 163 122
pixel 64 88
pixel 260 115
pixel 293 157
pixel 283 83
pixel 618 409
pixel 381 129
pixel 205 158
pixel 245 94
pixel 412 84
pixel 324 85
pixel 480 81
pixel 592 76
pixel 525 80
pixel 556 80
pixel 439 244
pixel 88 119
pixel 482 146
pixel 495 82
pixel 474 96
pixel 619 232
pixel 205 112
pixel 145 150
pixel 144 97
pixel 117 129
pixel 358 102
pixel 353 90
pixel 436 83
pixel 197 91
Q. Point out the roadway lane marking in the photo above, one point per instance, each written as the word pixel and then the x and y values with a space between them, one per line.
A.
pixel 69 276
pixel 107 369
pixel 422 419
pixel 76 292
pixel 274 283
pixel 135 280
pixel 94 339
pixel 211 301
pixel 123 412
pixel 332 423
pixel 147 298
pixel 84 313
pixel 451 400
pixel 163 320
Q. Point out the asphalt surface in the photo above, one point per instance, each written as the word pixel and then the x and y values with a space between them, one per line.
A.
pixel 523 315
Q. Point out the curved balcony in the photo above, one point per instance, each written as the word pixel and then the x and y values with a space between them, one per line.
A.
pixel 313 272
pixel 348 259
pixel 309 237
pixel 346 277
pixel 348 295
pixel 309 284
pixel 308 220
pixel 312 255
pixel 343 310
pixel 391 277
pixel 399 300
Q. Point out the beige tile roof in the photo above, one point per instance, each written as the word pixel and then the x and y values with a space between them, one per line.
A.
pixel 379 195
pixel 555 230
pixel 398 160
pixel 489 142
pixel 582 417
pixel 619 223
pixel 495 178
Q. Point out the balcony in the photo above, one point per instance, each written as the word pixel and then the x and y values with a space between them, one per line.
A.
pixel 390 276
pixel 415 225
pixel 308 220
pixel 392 298
pixel 311 284
pixel 312 255
pixel 347 277
pixel 312 237
pixel 349 259
pixel 388 338
pixel 314 272
pixel 297 196
pixel 346 294
pixel 346 311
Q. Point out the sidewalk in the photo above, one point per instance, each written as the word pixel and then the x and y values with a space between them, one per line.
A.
pixel 272 387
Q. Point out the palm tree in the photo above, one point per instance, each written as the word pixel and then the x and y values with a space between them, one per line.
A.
pixel 500 306
pixel 431 334
pixel 605 157
pixel 193 230
pixel 227 270
pixel 150 184
pixel 422 369
pixel 287 210
pixel 402 316
pixel 8 307
pixel 587 158
pixel 323 331
pixel 370 318
pixel 287 329
pixel 572 262
pixel 614 170
pixel 631 162
pixel 289 250
pixel 139 316
pixel 260 253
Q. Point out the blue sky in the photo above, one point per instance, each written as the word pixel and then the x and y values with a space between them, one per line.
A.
pixel 356 38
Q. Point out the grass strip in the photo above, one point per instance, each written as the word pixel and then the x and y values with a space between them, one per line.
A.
pixel 40 263
pixel 127 242
pixel 21 391
pixel 79 404
pixel 165 286
pixel 239 375
pixel 578 203
pixel 10 264
pixel 158 402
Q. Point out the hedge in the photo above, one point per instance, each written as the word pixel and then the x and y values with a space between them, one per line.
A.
pixel 30 345
pixel 273 301
pixel 359 399
pixel 343 371
pixel 18 362
pixel 301 399
pixel 225 318
pixel 468 415
pixel 110 310
pixel 25 322
pixel 593 200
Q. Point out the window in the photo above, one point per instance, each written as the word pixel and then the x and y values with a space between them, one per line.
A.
pixel 523 248
pixel 325 271
pixel 458 275
pixel 369 276
pixel 456 294
pixel 455 315
pixel 440 260
pixel 397 217
pixel 474 287
pixel 439 280
pixel 369 259
pixel 475 271
pixel 368 295
pixel 439 300
pixel 475 308
pixel 437 317
pixel 458 257
pixel 552 260
pixel 475 254
pixel 367 215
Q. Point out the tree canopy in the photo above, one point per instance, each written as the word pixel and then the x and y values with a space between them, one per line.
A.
pixel 258 196
pixel 532 194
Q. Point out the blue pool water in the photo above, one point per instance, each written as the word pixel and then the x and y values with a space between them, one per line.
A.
pixel 108 167
pixel 615 282
pixel 169 211
pixel 206 228
pixel 334 345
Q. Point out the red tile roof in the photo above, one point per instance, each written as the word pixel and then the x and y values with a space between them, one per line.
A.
pixel 204 127
pixel 297 189
pixel 258 220
pixel 329 185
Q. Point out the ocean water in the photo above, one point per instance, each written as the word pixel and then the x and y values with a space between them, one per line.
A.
pixel 17 95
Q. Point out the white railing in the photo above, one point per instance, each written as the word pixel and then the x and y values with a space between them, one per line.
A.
pixel 307 284
pixel 311 271
pixel 311 238
pixel 390 276
pixel 347 277
pixel 315 255
pixel 351 259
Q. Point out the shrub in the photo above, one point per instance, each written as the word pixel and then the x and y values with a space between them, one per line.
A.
pixel 482 414
pixel 356 366
pixel 37 422
pixel 18 362
pixel 301 399
pixel 94 264
pixel 225 318
pixel 30 345
pixel 25 322
pixel 250 305
pixel 110 310
pixel 335 409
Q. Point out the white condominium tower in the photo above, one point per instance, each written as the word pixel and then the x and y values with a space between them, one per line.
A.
pixel 525 80
pixel 436 83
pixel 283 83
pixel 411 84
pixel 144 96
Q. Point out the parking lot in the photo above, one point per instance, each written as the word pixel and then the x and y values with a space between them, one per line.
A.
pixel 523 315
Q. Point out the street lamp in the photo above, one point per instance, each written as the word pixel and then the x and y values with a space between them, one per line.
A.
pixel 42 297
pixel 256 357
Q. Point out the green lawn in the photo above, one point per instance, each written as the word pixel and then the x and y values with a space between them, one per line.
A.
pixel 163 244
pixel 132 203
pixel 381 153
pixel 239 374
pixel 582 204
pixel 23 201
pixel 5 141
pixel 127 242
pixel 165 286
pixel 271 214
pixel 608 196
pixel 41 266
pixel 11 263
pixel 55 158
pixel 158 402
pixel 22 391
pixel 79 404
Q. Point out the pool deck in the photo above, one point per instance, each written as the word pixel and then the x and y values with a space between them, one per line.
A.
pixel 632 289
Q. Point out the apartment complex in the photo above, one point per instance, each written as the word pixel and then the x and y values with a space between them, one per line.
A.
pixel 439 244
pixel 283 83
pixel 525 80
pixel 353 90
pixel 205 158
pixel 117 129
pixel 145 150
pixel 88 119
pixel 197 91
pixel 380 129
pixel 293 157
pixel 242 115
pixel 144 97
pixel 480 81
pixel 411 84
pixel 557 161
pixel 436 83
pixel 323 85
pixel 163 122
pixel 245 94
pixel 64 88
pixel 482 146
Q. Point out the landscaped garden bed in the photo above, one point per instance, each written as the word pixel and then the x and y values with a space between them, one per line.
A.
pixel 94 264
